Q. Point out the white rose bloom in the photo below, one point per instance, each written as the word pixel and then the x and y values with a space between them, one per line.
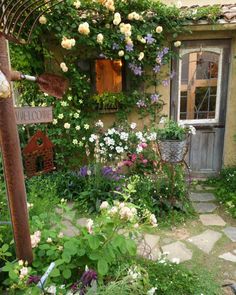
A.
pixel 139 135
pixel 104 205
pixel 64 67
pixel 133 125
pixel 177 43
pixel 21 262
pixel 100 38
pixel 35 239
pixel 84 29
pixel 77 4
pixel 153 220
pixel 117 19
pixel 24 271
pixel 113 210
pixel 159 29
pixel 93 137
pixel 99 124
pixel 126 213
pixel 141 56
pixel 42 20
pixel 67 125
pixel 67 43
pixel 121 53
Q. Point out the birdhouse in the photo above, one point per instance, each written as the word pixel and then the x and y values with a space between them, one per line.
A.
pixel 38 155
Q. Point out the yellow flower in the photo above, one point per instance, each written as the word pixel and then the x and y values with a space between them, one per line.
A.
pixel 84 29
pixel 42 20
pixel 159 29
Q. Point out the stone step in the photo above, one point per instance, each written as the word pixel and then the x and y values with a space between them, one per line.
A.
pixel 212 219
pixel 202 197
pixel 204 207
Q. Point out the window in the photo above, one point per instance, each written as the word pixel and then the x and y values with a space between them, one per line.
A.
pixel 108 76
pixel 199 83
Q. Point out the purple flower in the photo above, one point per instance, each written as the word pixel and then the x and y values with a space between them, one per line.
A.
pixel 129 47
pixel 165 50
pixel 115 46
pixel 155 97
pixel 141 104
pixel 165 83
pixel 137 70
pixel 157 69
pixel 149 39
pixel 88 277
pixel 33 280
pixel 83 171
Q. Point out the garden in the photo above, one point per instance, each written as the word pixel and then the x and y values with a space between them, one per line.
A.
pixel 114 180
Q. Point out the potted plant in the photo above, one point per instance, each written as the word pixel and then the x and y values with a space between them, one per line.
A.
pixel 109 102
pixel 172 141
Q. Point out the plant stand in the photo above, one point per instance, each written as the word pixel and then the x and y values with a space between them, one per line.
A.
pixel 173 153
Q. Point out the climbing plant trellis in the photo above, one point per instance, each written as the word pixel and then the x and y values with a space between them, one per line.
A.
pixel 17 22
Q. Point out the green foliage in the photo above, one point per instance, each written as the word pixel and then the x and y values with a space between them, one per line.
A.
pixel 109 100
pixel 225 188
pixel 174 131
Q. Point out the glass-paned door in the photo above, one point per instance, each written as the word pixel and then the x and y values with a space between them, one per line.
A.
pixel 199 95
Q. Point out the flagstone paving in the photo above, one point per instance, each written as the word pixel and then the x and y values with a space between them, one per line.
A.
pixel 206 240
pixel 231 233
pixel 212 219
pixel 228 256
pixel 177 252
pixel 202 197
pixel 204 207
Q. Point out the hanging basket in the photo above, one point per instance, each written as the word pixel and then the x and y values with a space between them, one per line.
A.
pixel 172 151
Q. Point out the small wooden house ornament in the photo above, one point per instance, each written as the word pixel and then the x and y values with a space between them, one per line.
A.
pixel 38 155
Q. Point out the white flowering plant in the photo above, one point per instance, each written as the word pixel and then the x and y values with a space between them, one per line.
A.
pixel 122 142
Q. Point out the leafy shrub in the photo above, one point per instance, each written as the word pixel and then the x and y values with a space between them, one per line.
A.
pixel 225 188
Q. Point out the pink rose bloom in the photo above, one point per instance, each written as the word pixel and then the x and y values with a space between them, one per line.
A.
pixel 144 161
pixel 143 145
pixel 127 163
pixel 133 157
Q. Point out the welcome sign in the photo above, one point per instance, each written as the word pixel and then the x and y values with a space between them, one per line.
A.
pixel 30 115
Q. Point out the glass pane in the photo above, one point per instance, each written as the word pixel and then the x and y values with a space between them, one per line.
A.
pixel 207 66
pixel 198 91
pixel 108 76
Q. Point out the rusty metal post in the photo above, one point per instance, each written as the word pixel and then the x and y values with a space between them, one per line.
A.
pixel 13 168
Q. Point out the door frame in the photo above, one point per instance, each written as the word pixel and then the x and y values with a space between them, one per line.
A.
pixel 225 44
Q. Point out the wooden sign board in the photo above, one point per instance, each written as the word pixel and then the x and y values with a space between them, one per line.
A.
pixel 30 115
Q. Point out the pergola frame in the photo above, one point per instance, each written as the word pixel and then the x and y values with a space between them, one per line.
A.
pixel 16 16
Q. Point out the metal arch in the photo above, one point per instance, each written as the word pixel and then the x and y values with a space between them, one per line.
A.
pixel 16 15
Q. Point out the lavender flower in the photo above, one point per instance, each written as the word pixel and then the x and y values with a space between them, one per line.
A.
pixel 154 97
pixel 141 104
pixel 157 69
pixel 115 46
pixel 137 70
pixel 149 39
pixel 129 47
pixel 165 50
pixel 165 83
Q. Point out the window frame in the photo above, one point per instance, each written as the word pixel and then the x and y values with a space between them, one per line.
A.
pixel 212 49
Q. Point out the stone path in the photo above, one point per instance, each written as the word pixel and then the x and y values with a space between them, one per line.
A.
pixel 212 235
